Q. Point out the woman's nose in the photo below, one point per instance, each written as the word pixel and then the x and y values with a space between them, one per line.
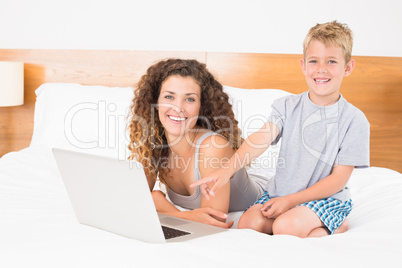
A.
pixel 178 106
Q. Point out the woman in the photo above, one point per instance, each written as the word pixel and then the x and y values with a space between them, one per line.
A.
pixel 182 128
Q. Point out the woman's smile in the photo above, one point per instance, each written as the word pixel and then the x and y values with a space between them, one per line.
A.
pixel 177 119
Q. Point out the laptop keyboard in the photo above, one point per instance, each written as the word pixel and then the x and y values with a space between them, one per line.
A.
pixel 172 233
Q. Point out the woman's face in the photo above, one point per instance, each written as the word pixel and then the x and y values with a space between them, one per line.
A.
pixel 179 105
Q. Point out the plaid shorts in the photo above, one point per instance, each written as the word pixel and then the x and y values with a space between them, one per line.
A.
pixel 330 211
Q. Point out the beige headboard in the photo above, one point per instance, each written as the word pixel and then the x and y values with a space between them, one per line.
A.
pixel 375 86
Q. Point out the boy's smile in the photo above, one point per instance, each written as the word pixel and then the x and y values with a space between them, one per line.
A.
pixel 324 68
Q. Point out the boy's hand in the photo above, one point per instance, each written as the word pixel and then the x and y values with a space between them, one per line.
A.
pixel 216 180
pixel 274 207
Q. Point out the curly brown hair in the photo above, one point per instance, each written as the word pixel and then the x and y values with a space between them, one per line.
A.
pixel 148 144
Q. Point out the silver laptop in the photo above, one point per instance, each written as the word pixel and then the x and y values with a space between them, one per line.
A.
pixel 113 195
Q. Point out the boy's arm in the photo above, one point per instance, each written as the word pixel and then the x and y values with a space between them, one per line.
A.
pixel 326 187
pixel 252 147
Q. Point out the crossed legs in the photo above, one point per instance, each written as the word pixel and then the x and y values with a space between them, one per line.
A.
pixel 299 221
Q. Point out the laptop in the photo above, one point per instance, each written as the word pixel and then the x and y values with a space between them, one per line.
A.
pixel 113 195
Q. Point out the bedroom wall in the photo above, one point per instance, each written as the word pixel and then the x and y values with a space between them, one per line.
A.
pixel 208 25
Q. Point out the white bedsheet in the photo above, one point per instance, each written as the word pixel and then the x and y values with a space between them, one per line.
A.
pixel 38 229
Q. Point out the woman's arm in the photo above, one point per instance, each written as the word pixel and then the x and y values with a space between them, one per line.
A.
pixel 215 151
pixel 204 215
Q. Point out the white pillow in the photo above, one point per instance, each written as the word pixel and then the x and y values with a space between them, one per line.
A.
pixel 82 118
pixel 94 119
pixel 252 108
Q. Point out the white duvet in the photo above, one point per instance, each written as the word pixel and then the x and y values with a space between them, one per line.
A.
pixel 38 227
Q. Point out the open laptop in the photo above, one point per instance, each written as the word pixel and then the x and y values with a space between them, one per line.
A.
pixel 113 195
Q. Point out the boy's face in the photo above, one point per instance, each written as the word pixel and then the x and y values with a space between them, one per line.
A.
pixel 324 68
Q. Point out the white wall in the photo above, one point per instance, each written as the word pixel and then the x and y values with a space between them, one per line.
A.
pixel 206 25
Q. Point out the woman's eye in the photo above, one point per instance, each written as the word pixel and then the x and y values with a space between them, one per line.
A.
pixel 190 99
pixel 168 97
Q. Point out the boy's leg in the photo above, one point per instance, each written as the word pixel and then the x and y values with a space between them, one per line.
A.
pixel 253 219
pixel 323 231
pixel 298 221
pixel 308 219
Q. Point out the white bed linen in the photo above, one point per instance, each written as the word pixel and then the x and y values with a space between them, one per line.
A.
pixel 38 228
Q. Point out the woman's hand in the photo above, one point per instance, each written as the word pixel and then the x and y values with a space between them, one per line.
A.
pixel 205 215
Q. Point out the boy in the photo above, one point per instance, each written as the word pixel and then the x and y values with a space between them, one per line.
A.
pixel 323 138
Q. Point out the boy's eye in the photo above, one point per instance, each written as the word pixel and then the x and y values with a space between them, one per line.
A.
pixel 312 61
pixel 331 61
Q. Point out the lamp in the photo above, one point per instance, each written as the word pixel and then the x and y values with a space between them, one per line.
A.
pixel 11 83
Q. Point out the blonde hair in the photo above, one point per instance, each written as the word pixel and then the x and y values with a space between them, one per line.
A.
pixel 331 34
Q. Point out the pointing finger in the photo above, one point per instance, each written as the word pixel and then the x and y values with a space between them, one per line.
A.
pixel 204 190
pixel 202 181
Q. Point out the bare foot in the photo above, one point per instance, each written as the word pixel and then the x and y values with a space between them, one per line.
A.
pixel 321 231
pixel 343 228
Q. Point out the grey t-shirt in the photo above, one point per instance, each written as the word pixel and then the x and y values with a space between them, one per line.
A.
pixel 314 139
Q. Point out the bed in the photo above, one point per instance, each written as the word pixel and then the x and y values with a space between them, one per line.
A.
pixel 79 100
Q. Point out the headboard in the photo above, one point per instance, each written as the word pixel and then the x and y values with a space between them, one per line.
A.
pixel 375 86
